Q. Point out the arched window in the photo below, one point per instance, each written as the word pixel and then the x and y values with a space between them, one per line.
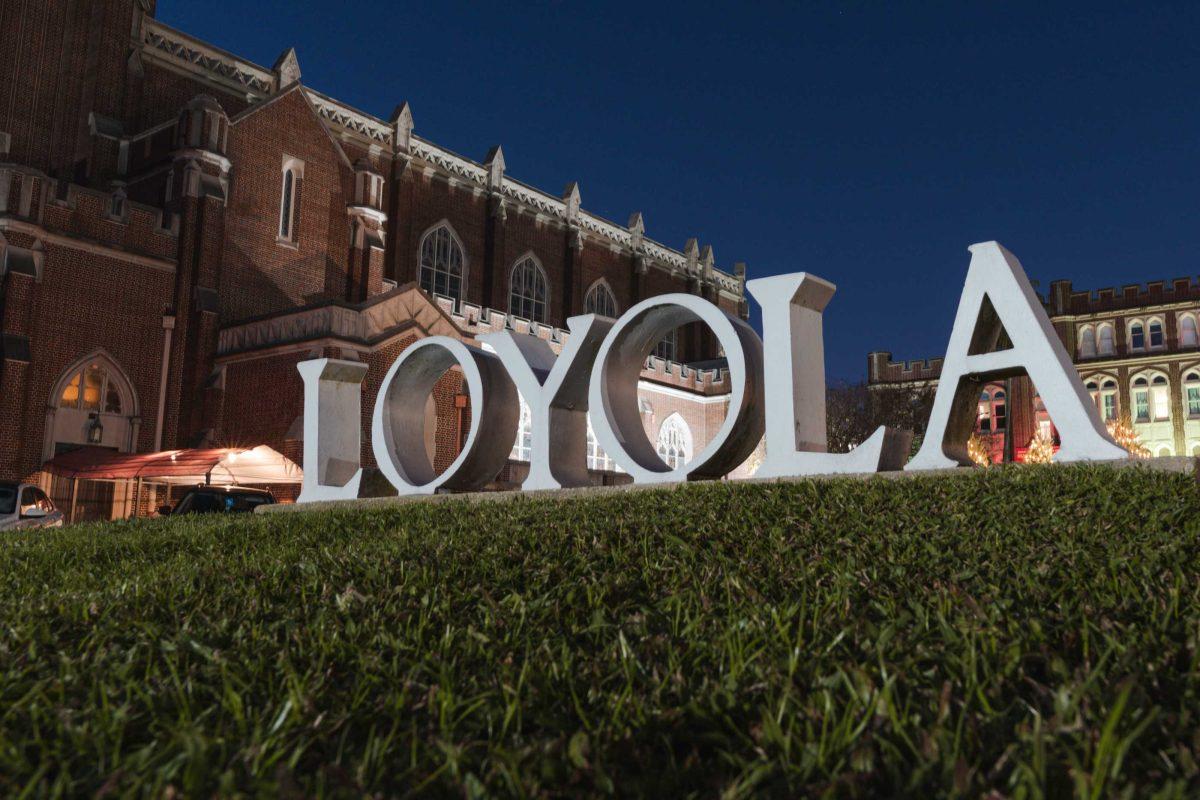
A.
pixel 527 291
pixel 1191 394
pixel 1151 398
pixel 524 443
pixel 1087 342
pixel 1137 336
pixel 1187 331
pixel 1106 339
pixel 667 346
pixel 289 210
pixel 999 410
pixel 600 300
pixel 1156 333
pixel 442 263
pixel 674 442
pixel 992 416
pixel 90 389
pixel 1103 391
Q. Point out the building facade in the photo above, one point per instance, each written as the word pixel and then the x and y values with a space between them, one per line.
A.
pixel 180 227
pixel 1136 349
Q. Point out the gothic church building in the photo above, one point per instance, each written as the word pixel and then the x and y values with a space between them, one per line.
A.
pixel 180 227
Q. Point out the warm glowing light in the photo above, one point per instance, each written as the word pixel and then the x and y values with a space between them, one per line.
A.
pixel 1124 435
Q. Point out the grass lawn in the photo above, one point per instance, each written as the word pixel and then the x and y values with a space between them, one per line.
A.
pixel 1029 630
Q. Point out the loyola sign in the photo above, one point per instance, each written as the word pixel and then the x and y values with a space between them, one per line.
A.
pixel 599 367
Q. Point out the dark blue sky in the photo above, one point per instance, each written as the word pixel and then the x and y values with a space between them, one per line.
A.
pixel 867 145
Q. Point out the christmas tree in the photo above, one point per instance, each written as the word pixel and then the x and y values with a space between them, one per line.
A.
pixel 1041 449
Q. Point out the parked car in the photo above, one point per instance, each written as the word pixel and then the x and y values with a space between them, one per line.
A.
pixel 23 506
pixel 219 500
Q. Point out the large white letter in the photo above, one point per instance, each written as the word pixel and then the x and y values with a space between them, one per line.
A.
pixel 794 346
pixel 613 394
pixel 997 298
pixel 332 429
pixel 555 389
pixel 398 424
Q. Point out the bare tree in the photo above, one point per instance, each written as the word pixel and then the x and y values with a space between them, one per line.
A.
pixel 855 410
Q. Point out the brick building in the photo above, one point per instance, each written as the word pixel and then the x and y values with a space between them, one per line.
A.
pixel 179 227
pixel 1136 349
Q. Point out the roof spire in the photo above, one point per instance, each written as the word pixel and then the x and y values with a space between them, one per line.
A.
pixel 402 126
pixel 287 68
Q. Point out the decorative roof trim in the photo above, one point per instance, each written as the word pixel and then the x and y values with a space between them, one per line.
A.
pixel 190 55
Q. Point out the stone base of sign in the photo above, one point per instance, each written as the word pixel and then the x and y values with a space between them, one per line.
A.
pixel 1182 464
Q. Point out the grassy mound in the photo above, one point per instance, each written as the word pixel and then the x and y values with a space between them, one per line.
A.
pixel 1030 630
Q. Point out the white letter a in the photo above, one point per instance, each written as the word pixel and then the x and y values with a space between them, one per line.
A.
pixel 997 298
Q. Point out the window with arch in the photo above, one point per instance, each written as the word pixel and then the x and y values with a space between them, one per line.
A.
pixel 1156 333
pixel 1191 394
pixel 1188 336
pixel 1151 398
pixel 523 446
pixel 1137 336
pixel 1103 391
pixel 667 346
pixel 1104 335
pixel 90 389
pixel 289 208
pixel 600 300
pixel 993 411
pixel 527 291
pixel 674 441
pixel 1087 342
pixel 442 263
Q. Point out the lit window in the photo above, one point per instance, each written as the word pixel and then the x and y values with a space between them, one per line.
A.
pixel 1192 394
pixel 600 301
pixel 1042 418
pixel 1087 342
pixel 1187 331
pixel 985 412
pixel 1141 399
pixel 1108 400
pixel 1156 333
pixel 666 348
pixel 1162 400
pixel 527 291
pixel 90 389
pixel 442 264
pixel 1151 398
pixel 1106 340
pixel 597 459
pixel 1137 336
pixel 999 411
pixel 674 442
pixel 523 446
pixel 70 395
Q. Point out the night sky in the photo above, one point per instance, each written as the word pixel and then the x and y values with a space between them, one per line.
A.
pixel 867 145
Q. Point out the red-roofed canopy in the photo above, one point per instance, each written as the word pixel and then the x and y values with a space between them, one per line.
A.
pixel 221 466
